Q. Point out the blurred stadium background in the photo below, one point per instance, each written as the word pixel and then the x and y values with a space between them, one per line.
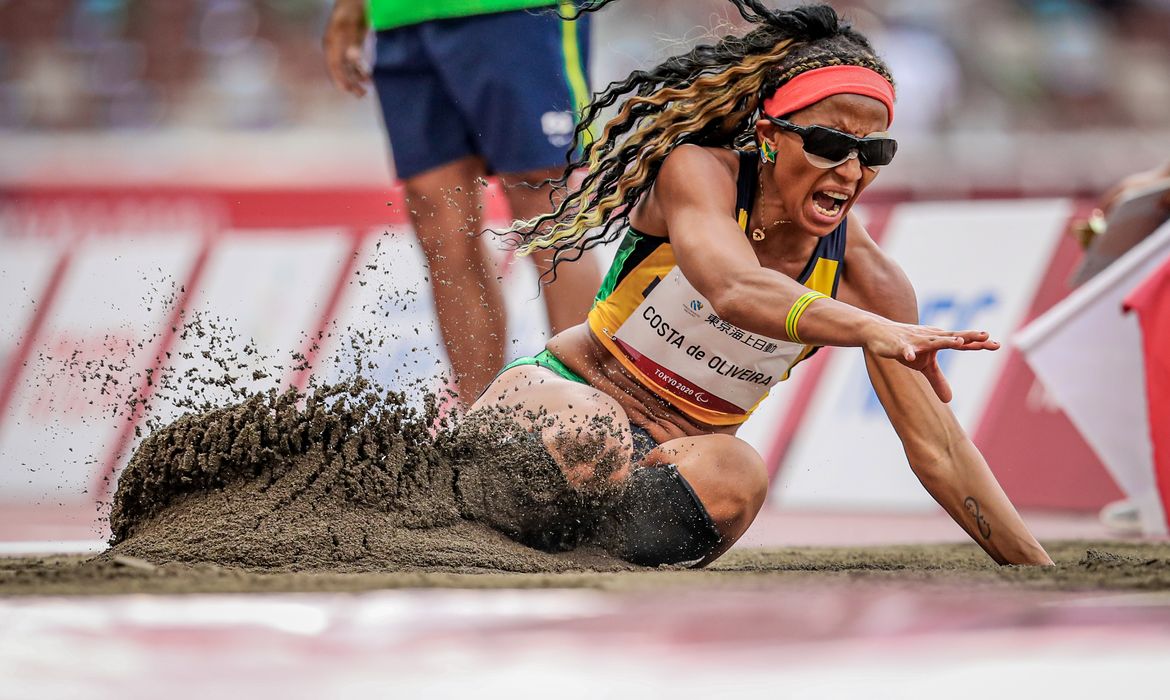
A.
pixel 1023 95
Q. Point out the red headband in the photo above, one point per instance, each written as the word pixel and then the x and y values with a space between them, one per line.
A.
pixel 817 84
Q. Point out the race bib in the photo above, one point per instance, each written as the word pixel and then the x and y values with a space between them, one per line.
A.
pixel 675 339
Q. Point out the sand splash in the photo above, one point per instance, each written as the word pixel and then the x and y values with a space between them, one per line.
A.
pixel 351 478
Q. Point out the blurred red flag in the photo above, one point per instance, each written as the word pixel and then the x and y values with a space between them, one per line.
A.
pixel 1151 301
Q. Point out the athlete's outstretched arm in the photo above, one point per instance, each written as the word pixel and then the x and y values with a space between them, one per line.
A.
pixel 950 466
pixel 696 195
pixel 941 455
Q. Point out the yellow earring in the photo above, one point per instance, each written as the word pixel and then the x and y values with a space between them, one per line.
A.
pixel 767 152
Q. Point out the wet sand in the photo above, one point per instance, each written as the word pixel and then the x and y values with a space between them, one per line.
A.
pixel 1081 566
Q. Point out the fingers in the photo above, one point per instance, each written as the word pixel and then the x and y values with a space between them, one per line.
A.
pixel 939 340
pixel 919 348
pixel 969 336
pixel 975 340
pixel 356 64
pixel 342 45
pixel 959 340
pixel 347 69
pixel 342 41
pixel 938 382
pixel 336 74
pixel 983 345
pixel 908 343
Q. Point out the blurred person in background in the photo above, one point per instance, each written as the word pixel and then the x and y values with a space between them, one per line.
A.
pixel 1133 183
pixel 1087 230
pixel 469 89
pixel 728 175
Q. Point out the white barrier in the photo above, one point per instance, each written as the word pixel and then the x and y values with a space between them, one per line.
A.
pixel 974 265
pixel 1089 355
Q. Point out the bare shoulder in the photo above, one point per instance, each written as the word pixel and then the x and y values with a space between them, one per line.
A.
pixel 701 160
pixel 873 281
pixel 690 177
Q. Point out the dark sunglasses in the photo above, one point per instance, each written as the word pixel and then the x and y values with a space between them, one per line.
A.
pixel 828 148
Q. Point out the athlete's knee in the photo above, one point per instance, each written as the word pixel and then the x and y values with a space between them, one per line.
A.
pixel 737 482
pixel 446 219
pixel 447 247
pixel 426 193
pixel 590 438
pixel 747 469
pixel 584 430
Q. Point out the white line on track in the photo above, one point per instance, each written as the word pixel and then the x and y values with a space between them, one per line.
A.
pixel 34 547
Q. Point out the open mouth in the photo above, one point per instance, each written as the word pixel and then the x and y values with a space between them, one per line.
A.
pixel 829 203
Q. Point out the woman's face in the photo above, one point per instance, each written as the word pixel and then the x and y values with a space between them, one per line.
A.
pixel 808 195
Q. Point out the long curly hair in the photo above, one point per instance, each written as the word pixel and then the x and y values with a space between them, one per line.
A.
pixel 709 96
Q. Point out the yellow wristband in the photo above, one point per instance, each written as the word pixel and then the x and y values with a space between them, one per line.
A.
pixel 797 311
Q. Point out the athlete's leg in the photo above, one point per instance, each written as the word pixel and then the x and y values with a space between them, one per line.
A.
pixel 519 78
pixel 569 416
pixel 444 209
pixel 569 297
pixel 726 474
pixel 435 155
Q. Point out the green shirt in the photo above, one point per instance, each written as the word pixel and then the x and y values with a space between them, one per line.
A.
pixel 388 14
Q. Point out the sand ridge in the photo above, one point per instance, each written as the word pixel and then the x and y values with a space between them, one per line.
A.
pixel 352 478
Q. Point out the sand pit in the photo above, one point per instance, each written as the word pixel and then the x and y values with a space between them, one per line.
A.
pixel 1081 566
pixel 351 479
pixel 351 489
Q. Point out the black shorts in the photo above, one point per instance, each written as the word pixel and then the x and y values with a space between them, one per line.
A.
pixel 659 519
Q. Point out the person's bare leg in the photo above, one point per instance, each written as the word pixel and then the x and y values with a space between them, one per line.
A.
pixel 565 412
pixel 444 206
pixel 569 298
pixel 726 473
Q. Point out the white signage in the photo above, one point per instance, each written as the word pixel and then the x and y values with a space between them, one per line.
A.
pixel 974 265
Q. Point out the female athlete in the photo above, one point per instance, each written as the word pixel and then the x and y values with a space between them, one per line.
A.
pixel 729 174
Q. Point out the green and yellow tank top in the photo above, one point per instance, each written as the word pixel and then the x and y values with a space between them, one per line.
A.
pixel 669 339
pixel 389 14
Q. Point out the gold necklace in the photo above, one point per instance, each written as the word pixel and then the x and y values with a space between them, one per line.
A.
pixel 758 233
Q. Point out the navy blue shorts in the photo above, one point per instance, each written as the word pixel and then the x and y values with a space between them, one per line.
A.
pixel 505 86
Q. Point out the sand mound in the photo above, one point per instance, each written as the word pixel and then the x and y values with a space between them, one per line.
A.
pixel 349 478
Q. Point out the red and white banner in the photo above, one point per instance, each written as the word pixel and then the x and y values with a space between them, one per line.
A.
pixel 1151 302
pixel 1089 355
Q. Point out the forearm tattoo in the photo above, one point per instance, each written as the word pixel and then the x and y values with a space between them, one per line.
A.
pixel 972 507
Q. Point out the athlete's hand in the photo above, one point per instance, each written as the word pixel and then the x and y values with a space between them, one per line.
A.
pixel 343 40
pixel 917 347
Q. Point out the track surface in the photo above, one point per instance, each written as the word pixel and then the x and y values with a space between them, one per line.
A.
pixel 775 616
pixel 823 641
pixel 906 621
